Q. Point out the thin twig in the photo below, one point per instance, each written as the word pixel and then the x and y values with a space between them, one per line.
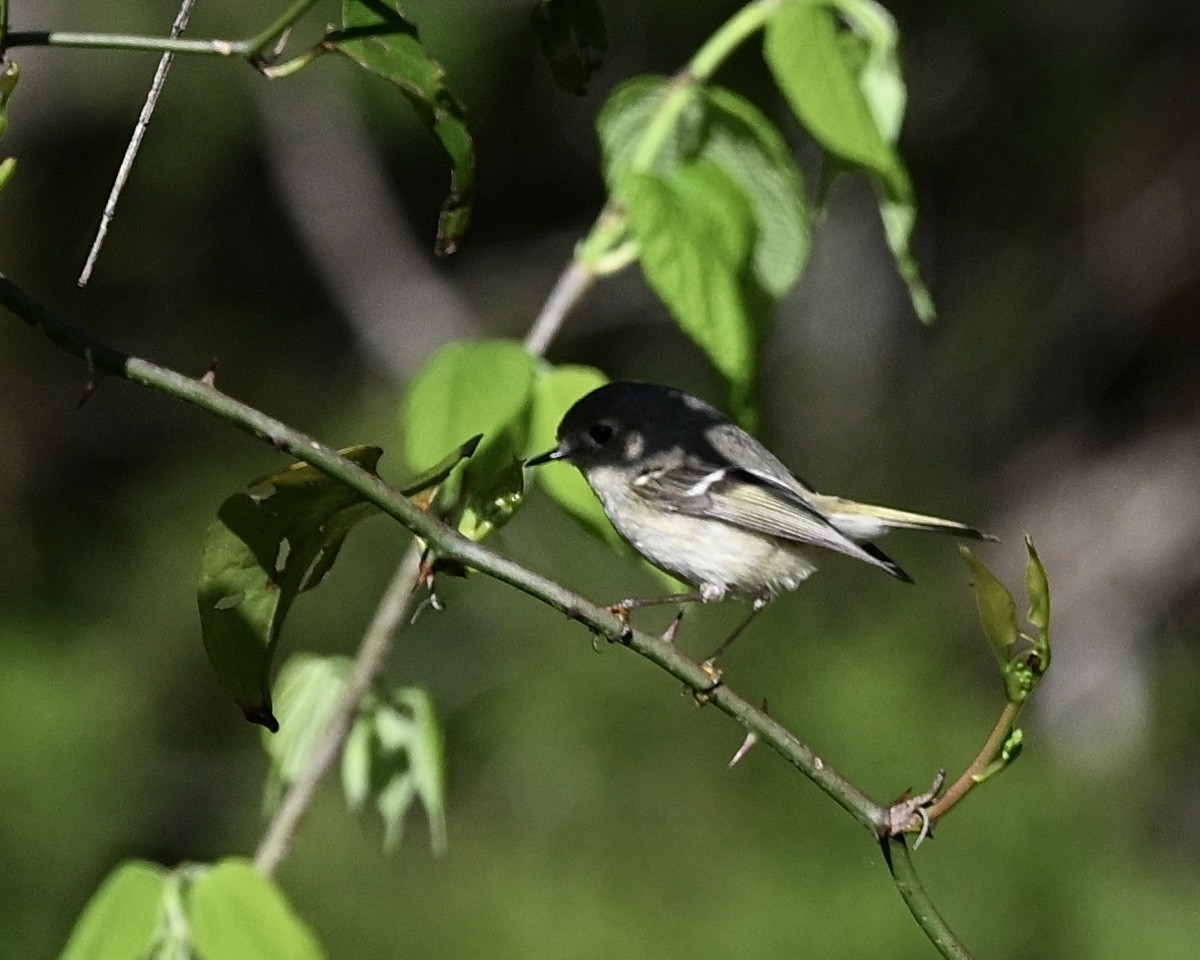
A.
pixel 393 613
pixel 899 862
pixel 572 284
pixel 987 753
pixel 135 142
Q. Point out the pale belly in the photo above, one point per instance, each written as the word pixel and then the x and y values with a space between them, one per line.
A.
pixel 713 556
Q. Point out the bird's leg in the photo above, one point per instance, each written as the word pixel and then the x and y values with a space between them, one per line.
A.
pixel 622 609
pixel 709 666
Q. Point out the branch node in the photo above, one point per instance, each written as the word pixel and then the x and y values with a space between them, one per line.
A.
pixel 910 814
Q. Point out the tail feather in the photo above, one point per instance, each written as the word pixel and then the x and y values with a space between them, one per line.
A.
pixel 867 521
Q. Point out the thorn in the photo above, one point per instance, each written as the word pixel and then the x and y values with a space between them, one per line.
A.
pixel 209 378
pixel 751 740
pixel 668 635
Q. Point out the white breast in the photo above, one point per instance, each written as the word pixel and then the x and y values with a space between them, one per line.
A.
pixel 716 557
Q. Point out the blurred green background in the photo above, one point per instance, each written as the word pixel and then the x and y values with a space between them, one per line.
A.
pixel 286 228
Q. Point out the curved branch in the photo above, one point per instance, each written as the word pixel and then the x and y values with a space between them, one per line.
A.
pixel 448 542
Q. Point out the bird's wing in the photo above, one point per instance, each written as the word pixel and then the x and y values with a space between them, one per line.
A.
pixel 751 502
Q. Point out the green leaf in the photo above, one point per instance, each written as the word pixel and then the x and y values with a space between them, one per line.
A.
pixel 556 390
pixel 432 478
pixel 748 147
pixel 377 36
pixel 306 696
pixel 755 198
pixel 572 37
pixel 1039 597
pixel 811 68
pixel 627 113
pixel 471 387
pixel 122 919
pixel 8 167
pixel 398 758
pixel 494 502
pixel 696 232
pixel 467 387
pixel 235 913
pixel 411 715
pixel 1022 667
pixel 259 553
pixel 357 762
pixel 997 611
pixel 852 106
pixel 873 53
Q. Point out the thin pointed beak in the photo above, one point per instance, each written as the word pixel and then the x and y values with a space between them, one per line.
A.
pixel 548 457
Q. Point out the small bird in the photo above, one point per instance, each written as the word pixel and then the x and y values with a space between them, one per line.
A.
pixel 699 497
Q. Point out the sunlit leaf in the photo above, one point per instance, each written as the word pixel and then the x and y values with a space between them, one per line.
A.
pixel 121 920
pixel 471 387
pixel 259 553
pixel 467 388
pixel 696 233
pixel 812 70
pixel 236 913
pixel 749 148
pixel 630 109
pixel 758 194
pixel 872 48
pixel 852 105
pixel 306 695
pixel 397 759
pixel 8 82
pixel 379 37
pixel 572 37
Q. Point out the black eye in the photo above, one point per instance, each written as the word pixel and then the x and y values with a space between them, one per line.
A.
pixel 600 433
